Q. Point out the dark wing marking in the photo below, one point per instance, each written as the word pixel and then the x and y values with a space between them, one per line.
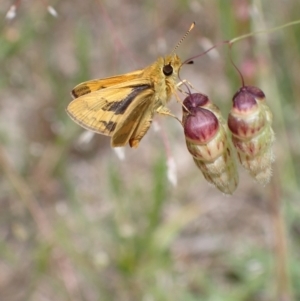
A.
pixel 130 123
pixel 120 107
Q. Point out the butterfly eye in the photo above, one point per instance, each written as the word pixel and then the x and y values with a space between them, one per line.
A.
pixel 167 70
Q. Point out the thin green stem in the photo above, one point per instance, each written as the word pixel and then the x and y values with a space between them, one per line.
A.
pixel 263 31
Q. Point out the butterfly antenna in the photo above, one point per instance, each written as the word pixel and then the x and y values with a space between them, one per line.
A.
pixel 186 34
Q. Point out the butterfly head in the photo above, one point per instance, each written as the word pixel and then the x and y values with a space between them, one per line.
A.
pixel 171 65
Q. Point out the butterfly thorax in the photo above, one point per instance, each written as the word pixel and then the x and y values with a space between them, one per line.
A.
pixel 163 76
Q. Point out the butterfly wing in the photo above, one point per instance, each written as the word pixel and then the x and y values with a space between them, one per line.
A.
pixel 141 130
pixel 136 121
pixel 114 111
pixel 98 84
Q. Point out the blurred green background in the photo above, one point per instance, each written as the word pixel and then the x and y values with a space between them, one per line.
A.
pixel 77 223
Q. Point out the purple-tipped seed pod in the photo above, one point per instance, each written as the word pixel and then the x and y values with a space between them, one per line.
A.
pixel 250 122
pixel 208 142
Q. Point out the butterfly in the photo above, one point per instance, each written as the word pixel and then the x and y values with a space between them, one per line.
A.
pixel 123 106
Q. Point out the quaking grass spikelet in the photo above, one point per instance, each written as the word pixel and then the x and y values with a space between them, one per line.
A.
pixel 208 142
pixel 250 122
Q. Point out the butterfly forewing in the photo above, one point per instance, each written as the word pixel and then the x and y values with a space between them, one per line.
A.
pixel 141 129
pixel 98 84
pixel 136 120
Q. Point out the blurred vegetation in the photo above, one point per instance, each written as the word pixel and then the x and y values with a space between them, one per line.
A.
pixel 77 223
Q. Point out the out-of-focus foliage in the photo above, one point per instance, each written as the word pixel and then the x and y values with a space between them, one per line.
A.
pixel 76 223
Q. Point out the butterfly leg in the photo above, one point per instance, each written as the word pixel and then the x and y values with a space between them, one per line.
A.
pixel 187 83
pixel 165 111
pixel 180 101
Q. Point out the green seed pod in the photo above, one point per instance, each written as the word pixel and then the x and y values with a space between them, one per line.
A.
pixel 250 122
pixel 208 142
